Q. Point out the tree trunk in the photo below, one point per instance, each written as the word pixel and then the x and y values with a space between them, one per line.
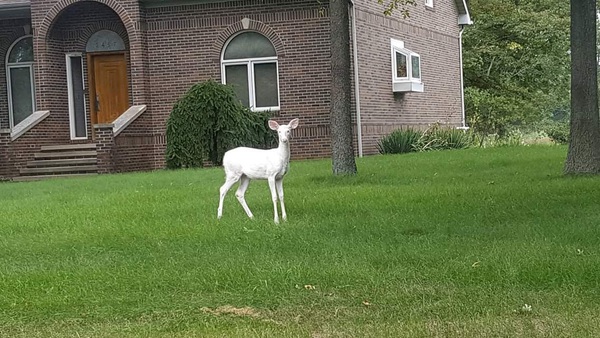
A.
pixel 342 146
pixel 584 147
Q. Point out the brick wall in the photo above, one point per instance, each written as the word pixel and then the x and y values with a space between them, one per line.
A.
pixel 134 150
pixel 431 33
pixel 185 44
pixel 4 160
pixel 104 147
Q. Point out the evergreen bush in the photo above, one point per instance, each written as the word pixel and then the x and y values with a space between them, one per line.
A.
pixel 209 120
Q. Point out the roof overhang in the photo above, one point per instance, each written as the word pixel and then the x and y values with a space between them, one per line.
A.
pixel 15 9
pixel 464 18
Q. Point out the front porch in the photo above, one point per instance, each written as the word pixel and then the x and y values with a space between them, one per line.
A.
pixel 75 80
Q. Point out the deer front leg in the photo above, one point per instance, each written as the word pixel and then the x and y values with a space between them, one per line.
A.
pixel 274 198
pixel 279 185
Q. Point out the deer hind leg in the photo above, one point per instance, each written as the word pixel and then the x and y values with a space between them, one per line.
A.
pixel 241 191
pixel 229 182
pixel 274 198
pixel 279 185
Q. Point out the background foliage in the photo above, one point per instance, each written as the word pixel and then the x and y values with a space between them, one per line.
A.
pixel 516 63
pixel 209 120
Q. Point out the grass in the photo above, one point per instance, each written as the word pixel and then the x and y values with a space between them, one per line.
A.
pixel 438 244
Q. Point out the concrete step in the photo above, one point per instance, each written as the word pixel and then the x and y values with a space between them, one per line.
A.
pixel 68 147
pixel 61 162
pixel 56 161
pixel 66 154
pixel 47 177
pixel 60 170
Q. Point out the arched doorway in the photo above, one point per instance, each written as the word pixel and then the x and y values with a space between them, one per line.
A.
pixel 95 41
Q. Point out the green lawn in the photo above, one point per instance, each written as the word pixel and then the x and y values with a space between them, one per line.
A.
pixel 439 244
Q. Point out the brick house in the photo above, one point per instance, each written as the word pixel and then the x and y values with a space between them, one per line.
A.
pixel 87 86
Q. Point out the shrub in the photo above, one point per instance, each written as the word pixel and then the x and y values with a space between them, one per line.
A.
pixel 209 120
pixel 559 132
pixel 442 138
pixel 511 139
pixel 399 141
pixel 435 138
pixel 457 139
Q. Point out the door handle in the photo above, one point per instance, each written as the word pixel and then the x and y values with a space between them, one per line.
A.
pixel 97 103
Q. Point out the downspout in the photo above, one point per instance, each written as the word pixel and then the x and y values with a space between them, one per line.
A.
pixel 356 86
pixel 462 84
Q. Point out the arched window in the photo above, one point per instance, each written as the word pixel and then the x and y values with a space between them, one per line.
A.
pixel 249 64
pixel 19 74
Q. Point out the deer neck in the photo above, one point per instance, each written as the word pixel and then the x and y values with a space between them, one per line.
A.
pixel 284 151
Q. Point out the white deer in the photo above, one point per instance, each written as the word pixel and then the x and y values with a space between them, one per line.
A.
pixel 244 164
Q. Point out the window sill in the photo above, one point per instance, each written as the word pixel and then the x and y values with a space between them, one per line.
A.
pixel 408 86
pixel 261 110
pixel 30 122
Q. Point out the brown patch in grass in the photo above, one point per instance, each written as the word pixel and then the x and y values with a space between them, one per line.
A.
pixel 242 312
pixel 235 311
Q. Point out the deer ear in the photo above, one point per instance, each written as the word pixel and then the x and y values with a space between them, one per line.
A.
pixel 273 125
pixel 294 123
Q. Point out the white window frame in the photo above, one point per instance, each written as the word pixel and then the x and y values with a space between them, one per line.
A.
pixel 429 3
pixel 250 62
pixel 68 57
pixel 16 65
pixel 409 83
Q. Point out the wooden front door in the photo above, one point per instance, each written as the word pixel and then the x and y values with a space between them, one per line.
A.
pixel 109 96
